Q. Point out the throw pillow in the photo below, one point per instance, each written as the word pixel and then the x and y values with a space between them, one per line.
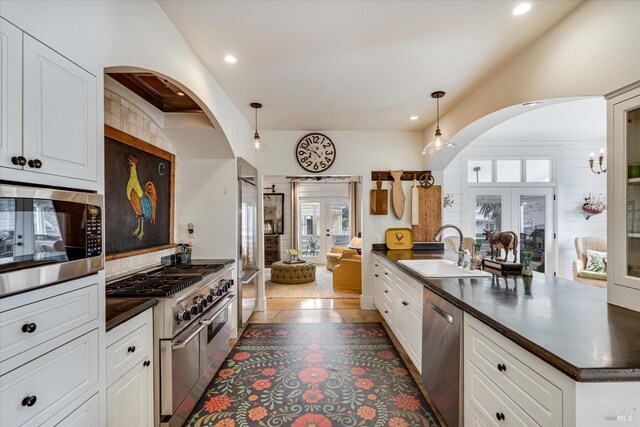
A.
pixel 596 261
pixel 592 275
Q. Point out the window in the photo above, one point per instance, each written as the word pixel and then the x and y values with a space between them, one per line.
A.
pixel 480 171
pixel 538 170
pixel 508 170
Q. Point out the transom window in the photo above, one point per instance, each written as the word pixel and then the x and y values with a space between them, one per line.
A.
pixel 509 170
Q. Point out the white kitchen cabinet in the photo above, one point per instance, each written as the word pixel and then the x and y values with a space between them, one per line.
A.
pixel 48 114
pixel 623 180
pixel 60 126
pixel 398 297
pixel 130 372
pixel 130 398
pixel 10 94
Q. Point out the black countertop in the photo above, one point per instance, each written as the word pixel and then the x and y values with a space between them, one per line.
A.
pixel 569 325
pixel 119 310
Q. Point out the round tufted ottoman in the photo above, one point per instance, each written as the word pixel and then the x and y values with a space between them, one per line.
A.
pixel 293 274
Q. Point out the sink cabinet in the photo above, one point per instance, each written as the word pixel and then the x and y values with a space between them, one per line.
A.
pixel 623 192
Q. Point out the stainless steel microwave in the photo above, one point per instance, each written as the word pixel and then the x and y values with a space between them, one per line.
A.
pixel 47 236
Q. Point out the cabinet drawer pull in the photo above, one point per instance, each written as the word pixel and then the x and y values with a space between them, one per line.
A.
pixel 19 160
pixel 386 291
pixel 502 367
pixel 386 312
pixel 376 265
pixel 29 401
pixel 146 363
pixel 131 349
pixel 29 328
pixel 386 274
pixel 35 163
pixel 375 275
pixel 405 303
pixel 500 416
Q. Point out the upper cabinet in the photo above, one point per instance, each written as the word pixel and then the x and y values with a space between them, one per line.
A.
pixel 49 113
pixel 624 197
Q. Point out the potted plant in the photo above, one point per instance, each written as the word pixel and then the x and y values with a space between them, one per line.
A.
pixel 594 205
pixel 313 245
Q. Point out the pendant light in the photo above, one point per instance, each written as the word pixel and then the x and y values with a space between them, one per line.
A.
pixel 439 142
pixel 257 144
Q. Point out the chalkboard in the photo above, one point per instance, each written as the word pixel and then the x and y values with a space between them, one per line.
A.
pixel 139 185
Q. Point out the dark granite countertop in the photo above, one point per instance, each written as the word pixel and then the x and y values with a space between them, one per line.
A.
pixel 119 310
pixel 569 325
pixel 222 261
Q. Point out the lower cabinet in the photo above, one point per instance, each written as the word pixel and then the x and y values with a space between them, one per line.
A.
pixel 130 398
pixel 130 372
pixel 399 299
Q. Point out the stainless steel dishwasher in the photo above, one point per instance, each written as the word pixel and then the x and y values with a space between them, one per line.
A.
pixel 442 356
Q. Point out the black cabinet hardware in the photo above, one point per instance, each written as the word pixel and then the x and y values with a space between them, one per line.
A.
pixel 29 401
pixel 35 163
pixel 18 160
pixel 29 328
pixel 502 367
pixel 500 416
pixel 146 363
pixel 131 349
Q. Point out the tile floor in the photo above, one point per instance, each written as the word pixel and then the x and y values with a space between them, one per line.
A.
pixel 330 310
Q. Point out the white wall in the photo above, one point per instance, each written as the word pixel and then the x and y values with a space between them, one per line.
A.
pixel 358 153
pixel 593 51
pixel 567 133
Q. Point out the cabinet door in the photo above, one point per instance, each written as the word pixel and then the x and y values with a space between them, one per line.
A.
pixel 400 317
pixel 414 336
pixel 59 114
pixel 130 399
pixel 10 94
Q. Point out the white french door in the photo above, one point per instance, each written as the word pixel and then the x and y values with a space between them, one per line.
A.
pixel 528 211
pixel 324 222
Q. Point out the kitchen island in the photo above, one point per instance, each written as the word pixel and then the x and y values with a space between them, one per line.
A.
pixel 544 350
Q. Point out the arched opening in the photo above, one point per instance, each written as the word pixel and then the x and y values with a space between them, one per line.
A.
pixel 529 173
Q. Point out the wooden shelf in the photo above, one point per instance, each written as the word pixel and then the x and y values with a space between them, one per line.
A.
pixel 633 181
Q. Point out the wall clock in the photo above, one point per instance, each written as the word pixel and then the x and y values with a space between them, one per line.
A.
pixel 315 152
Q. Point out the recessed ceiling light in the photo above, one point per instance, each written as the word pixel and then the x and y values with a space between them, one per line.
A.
pixel 528 104
pixel 230 59
pixel 521 9
pixel 413 118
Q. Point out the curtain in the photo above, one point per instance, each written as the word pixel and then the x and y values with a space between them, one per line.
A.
pixel 294 214
pixel 354 211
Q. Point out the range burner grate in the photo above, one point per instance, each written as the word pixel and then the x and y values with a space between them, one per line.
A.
pixel 143 286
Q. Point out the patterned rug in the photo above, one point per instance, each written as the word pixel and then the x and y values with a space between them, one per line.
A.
pixel 313 375
pixel 321 288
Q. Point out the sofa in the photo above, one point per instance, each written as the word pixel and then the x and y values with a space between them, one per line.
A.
pixel 347 276
pixel 582 244
pixel 337 254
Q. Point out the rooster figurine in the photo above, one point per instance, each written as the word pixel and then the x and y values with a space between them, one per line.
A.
pixel 143 202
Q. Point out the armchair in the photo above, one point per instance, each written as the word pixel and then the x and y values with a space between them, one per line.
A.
pixel 347 276
pixel 337 254
pixel 582 244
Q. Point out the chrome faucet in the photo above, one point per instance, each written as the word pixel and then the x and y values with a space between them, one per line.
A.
pixel 438 236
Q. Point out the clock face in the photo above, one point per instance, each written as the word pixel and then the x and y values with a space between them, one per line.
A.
pixel 315 152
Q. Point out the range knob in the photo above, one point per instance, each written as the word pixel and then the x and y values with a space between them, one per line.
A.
pixel 193 309
pixel 217 291
pixel 203 302
pixel 184 315
pixel 209 299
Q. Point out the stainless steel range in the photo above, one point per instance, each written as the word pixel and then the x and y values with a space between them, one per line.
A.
pixel 192 327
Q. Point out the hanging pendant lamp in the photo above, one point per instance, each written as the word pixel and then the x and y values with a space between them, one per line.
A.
pixel 257 144
pixel 439 142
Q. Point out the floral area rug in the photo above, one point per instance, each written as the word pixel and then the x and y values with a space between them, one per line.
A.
pixel 313 375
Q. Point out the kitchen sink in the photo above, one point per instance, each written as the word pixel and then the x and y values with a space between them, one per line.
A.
pixel 441 269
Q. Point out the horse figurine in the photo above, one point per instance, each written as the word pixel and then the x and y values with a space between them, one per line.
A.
pixel 507 240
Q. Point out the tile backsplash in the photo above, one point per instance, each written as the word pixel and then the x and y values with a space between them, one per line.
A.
pixel 125 116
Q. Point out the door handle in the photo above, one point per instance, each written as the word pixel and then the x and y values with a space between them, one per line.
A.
pixel 220 310
pixel 441 312
pixel 251 277
pixel 183 344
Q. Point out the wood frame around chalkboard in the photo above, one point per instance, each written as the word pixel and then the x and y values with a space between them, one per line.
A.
pixel 132 141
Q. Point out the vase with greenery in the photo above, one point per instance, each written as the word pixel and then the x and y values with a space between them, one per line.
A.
pixel 293 254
